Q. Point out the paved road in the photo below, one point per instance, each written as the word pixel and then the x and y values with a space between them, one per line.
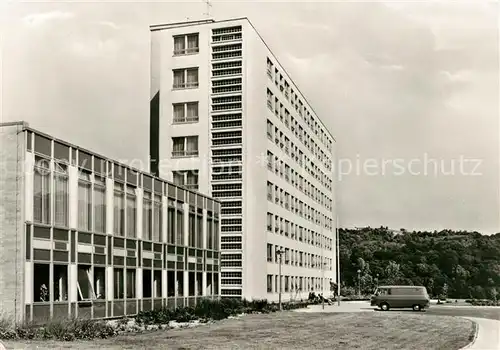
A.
pixel 473 311
pixel 492 313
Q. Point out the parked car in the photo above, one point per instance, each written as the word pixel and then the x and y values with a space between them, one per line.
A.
pixel 399 297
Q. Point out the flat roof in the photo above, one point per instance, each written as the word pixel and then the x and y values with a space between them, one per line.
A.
pixel 26 127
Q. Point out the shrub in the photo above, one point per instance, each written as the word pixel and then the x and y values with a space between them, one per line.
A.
pixel 208 309
pixel 66 330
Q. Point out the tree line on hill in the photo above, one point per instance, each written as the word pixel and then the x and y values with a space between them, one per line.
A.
pixel 453 264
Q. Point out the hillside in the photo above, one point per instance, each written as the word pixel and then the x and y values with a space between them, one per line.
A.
pixel 458 264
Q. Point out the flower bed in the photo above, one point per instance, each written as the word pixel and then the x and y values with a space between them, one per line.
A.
pixel 205 311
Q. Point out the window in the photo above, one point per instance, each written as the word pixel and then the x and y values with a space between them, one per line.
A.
pixel 269 283
pixel 146 284
pixel 186 44
pixel 61 195
pixel 147 216
pixel 157 218
pixel 269 68
pixel 100 282
pixel 131 212
pixel 269 222
pixel 185 146
pixel 157 284
pixel 99 205
pixel 270 160
pixel 199 229
pixel 41 273
pixel 119 210
pixel 84 201
pixel 186 178
pixel 171 222
pixel 130 283
pixel 270 130
pixel 185 112
pixel 210 232
pixel 269 191
pixel 41 191
pixel 216 234
pixel 60 283
pixel 118 283
pixel 180 224
pixel 186 78
pixel 269 99
pixel 192 230
pixel 84 283
pixel 269 252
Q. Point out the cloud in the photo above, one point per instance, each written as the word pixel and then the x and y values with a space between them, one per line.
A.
pixel 37 19
pixel 109 24
pixel 460 76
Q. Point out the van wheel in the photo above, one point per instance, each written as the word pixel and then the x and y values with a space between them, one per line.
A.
pixel 417 307
pixel 384 307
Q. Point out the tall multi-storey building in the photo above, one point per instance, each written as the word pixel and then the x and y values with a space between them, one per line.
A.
pixel 84 235
pixel 227 120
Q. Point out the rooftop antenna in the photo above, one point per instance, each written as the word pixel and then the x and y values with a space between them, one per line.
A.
pixel 208 3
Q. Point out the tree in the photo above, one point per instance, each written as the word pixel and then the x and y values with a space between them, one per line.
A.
pixel 468 263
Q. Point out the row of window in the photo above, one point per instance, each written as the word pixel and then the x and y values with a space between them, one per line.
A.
pixel 294 284
pixel 295 257
pixel 297 130
pixel 299 106
pixel 52 187
pixel 90 283
pixel 289 229
pixel 283 170
pixel 291 150
pixel 296 206
pixel 189 44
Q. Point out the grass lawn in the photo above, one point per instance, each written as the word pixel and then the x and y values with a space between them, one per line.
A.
pixel 293 330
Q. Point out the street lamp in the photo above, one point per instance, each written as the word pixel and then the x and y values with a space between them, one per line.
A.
pixel 280 252
pixel 359 283
pixel 377 280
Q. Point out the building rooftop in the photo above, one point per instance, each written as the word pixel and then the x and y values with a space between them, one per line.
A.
pixel 25 127
pixel 159 27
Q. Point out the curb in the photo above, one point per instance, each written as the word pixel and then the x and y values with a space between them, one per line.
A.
pixel 476 332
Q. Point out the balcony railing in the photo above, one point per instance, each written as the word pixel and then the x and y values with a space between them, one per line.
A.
pixel 187 51
pixel 186 120
pixel 184 153
pixel 192 85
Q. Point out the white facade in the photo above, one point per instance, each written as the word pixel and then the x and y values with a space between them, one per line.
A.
pixel 261 150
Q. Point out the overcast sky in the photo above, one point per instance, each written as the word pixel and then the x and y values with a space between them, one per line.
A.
pixel 395 81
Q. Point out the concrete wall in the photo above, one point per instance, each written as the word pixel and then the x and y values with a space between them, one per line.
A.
pixel 164 64
pixel 12 151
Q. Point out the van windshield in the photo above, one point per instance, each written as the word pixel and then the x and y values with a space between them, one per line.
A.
pixel 382 291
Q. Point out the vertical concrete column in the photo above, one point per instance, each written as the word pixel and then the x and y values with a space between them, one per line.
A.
pixel 110 285
pixel 186 282
pixel 185 207
pixel 72 283
pixel 28 282
pixel 164 284
pixel 138 283
pixel 29 164
pixel 204 245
